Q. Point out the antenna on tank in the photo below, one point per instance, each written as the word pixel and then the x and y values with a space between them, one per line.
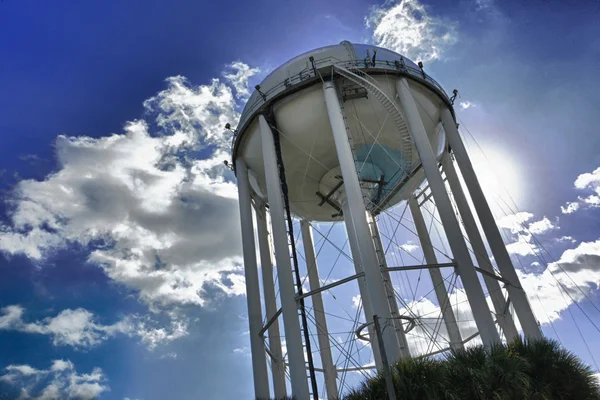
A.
pixel 315 70
pixel 264 96
pixel 454 94
pixel 227 164
pixel 420 64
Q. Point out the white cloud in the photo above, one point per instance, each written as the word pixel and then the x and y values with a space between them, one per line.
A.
pixel 79 328
pixel 577 273
pixel 570 207
pixel 542 226
pixel 564 239
pixel 60 381
pixel 154 336
pixel 523 231
pixel 514 222
pixel 522 247
pixel 466 104
pixel 407 28
pixel 409 246
pixel 238 74
pixel 592 200
pixel 75 328
pixel 356 301
pixel 430 325
pixel 155 219
pixel 590 182
pixel 244 351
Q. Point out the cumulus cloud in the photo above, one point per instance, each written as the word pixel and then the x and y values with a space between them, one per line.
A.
pixel 523 231
pixel 80 329
pixel 356 301
pixel 570 279
pixel 542 226
pixel 238 74
pixel 156 218
pixel 59 381
pixel 588 182
pixel 524 246
pixel 154 335
pixel 429 323
pixel 406 27
pixel 570 207
pixel 564 239
pixel 466 104
pixel 575 275
pixel 409 246
pixel 70 327
pixel 514 222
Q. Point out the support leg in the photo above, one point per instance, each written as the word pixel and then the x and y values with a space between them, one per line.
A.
pixel 259 362
pixel 515 292
pixel 367 256
pixel 362 285
pixel 389 288
pixel 266 265
pixel 503 316
pixel 436 275
pixel 291 325
pixel 470 280
pixel 329 370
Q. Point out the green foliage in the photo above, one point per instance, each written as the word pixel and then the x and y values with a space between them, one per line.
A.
pixel 555 372
pixel 532 370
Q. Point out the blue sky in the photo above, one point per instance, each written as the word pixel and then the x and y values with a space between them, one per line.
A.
pixel 118 223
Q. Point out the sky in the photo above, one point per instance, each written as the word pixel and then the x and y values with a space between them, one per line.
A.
pixel 120 249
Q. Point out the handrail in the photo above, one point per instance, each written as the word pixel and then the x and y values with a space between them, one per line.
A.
pixel 366 81
pixel 308 73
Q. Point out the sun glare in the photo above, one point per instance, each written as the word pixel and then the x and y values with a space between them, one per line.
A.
pixel 499 175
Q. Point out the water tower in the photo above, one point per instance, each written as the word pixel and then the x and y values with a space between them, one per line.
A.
pixel 346 132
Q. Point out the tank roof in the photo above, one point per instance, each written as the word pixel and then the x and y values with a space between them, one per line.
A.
pixel 306 68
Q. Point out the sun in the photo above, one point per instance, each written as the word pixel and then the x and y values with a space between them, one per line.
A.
pixel 499 175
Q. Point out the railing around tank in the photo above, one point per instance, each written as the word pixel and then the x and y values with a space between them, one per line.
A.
pixel 309 73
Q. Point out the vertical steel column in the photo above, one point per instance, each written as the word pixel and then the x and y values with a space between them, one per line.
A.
pixel 259 362
pixel 502 313
pixel 516 293
pixel 436 276
pixel 389 288
pixel 291 325
pixel 266 265
pixel 368 257
pixel 362 285
pixel 470 280
pixel 329 370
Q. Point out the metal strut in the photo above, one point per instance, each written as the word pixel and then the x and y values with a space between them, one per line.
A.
pixel 286 204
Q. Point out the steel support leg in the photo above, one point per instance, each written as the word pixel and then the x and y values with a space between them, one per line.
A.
pixel 470 280
pixel 495 292
pixel 389 288
pixel 362 285
pixel 367 256
pixel 266 265
pixel 291 325
pixel 516 293
pixel 259 362
pixel 436 276
pixel 329 370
